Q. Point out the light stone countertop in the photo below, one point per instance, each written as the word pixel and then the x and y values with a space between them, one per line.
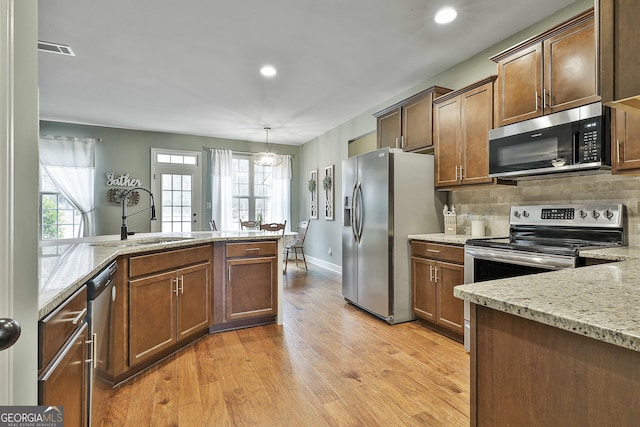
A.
pixel 600 301
pixel 65 265
pixel 619 253
pixel 456 239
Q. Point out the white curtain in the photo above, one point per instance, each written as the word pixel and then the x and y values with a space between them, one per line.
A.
pixel 221 187
pixel 70 163
pixel 281 196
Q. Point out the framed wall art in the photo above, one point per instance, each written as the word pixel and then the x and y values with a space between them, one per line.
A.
pixel 328 187
pixel 312 185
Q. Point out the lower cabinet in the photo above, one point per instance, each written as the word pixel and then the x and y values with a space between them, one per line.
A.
pixel 167 307
pixel 63 359
pixel 435 270
pixel 251 285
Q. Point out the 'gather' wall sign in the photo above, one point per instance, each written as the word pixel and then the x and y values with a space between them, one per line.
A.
pixel 122 181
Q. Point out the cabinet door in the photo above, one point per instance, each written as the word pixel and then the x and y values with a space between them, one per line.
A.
pixel 447 139
pixel 570 77
pixel 519 91
pixel 152 318
pixel 389 128
pixel 625 148
pixel 250 288
pixel 417 123
pixel 424 288
pixel 193 299
pixel 65 383
pixel 450 308
pixel 476 113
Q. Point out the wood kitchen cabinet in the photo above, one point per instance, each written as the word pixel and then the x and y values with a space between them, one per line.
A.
pixel 435 270
pixel 550 72
pixel 462 120
pixel 168 301
pixel 618 46
pixel 251 282
pixel 409 124
pixel 63 354
pixel 625 147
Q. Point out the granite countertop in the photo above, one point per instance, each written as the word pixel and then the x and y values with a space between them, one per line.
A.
pixel 65 265
pixel 600 301
pixel 456 239
pixel 618 253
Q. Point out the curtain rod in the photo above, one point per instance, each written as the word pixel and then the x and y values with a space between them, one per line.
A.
pixel 247 152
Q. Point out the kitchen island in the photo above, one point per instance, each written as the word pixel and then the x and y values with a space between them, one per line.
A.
pixel 558 348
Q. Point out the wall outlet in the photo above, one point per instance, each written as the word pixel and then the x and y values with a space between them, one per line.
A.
pixel 330 252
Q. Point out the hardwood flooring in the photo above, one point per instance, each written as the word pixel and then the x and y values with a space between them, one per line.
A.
pixel 330 364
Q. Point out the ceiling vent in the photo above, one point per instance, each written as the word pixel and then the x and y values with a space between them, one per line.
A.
pixel 55 48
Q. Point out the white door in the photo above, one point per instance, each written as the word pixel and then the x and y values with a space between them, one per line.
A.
pixel 176 179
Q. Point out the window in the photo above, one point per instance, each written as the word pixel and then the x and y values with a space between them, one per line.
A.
pixel 58 217
pixel 252 190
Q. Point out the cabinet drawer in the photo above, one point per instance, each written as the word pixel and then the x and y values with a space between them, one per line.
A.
pixel 170 260
pixel 246 249
pixel 55 329
pixel 438 251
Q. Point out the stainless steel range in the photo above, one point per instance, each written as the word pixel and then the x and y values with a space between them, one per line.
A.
pixel 542 238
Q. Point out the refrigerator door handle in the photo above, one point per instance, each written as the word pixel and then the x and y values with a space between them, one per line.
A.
pixel 352 213
pixel 360 212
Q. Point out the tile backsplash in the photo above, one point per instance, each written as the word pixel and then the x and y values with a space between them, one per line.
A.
pixel 493 203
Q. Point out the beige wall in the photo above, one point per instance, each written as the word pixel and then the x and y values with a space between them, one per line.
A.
pixel 363 144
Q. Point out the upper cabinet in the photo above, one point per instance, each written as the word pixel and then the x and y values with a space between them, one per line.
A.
pixel 619 43
pixel 409 124
pixel 625 147
pixel 462 120
pixel 551 72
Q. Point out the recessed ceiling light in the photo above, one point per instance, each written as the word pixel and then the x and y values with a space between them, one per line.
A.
pixel 445 15
pixel 268 71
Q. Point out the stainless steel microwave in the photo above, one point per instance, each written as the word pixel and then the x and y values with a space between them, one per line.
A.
pixel 567 141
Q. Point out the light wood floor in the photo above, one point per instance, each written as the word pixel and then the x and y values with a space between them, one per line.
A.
pixel 329 364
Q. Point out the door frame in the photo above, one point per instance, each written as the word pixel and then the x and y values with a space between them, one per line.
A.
pixel 197 187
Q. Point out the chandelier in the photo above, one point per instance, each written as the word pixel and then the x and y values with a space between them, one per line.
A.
pixel 266 158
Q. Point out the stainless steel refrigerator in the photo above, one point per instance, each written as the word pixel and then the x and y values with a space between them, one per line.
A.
pixel 386 195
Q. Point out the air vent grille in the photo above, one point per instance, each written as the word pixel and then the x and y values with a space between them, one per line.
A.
pixel 55 48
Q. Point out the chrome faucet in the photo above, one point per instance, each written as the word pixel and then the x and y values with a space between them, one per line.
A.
pixel 125 197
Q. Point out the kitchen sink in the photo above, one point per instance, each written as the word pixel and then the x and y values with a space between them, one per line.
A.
pixel 140 242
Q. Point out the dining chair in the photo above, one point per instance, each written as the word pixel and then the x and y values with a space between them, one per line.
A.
pixel 297 244
pixel 250 225
pixel 274 226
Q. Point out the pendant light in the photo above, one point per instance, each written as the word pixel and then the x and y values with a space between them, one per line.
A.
pixel 266 158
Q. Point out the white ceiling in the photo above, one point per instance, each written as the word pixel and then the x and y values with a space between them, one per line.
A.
pixel 191 66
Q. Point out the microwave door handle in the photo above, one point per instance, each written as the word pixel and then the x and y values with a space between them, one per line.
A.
pixel 576 148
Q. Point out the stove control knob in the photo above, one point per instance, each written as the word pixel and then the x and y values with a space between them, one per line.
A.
pixel 583 214
pixel 595 214
pixel 516 214
pixel 608 214
pixel 525 214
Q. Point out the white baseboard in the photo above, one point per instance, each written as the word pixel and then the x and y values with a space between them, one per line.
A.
pixel 324 264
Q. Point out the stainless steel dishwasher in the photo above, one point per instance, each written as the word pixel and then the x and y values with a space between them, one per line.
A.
pixel 101 293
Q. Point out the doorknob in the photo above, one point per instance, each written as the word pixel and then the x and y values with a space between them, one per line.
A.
pixel 9 333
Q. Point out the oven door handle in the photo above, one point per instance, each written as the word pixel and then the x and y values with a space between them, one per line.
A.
pixel 529 259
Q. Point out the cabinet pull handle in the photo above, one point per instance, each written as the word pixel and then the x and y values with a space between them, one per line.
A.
pixel 537 106
pixel 433 250
pixel 402 142
pixel 431 273
pixel 396 142
pixel 618 144
pixel 229 274
pixel 436 270
pixel 456 172
pixel 79 316
pixel 175 281
pixel 252 249
pixel 181 284
pixel 461 173
pixel 546 96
